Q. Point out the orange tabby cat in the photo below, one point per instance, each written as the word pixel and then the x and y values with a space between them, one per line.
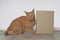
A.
pixel 22 24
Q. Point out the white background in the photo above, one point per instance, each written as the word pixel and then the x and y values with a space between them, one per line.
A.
pixel 10 9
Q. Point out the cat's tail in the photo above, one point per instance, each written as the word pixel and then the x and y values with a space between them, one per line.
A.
pixel 8 32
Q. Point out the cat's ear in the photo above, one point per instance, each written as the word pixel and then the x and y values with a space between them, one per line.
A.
pixel 33 10
pixel 25 11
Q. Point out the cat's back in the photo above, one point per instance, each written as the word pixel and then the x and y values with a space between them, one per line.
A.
pixel 22 18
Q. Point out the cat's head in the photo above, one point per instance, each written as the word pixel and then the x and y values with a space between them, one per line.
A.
pixel 30 15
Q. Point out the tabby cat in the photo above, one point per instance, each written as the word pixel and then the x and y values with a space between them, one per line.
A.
pixel 22 24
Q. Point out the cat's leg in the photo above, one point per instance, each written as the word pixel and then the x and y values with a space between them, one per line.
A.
pixel 29 29
pixel 17 27
pixel 17 32
pixel 32 31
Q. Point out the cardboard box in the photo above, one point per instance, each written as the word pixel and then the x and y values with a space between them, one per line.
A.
pixel 44 22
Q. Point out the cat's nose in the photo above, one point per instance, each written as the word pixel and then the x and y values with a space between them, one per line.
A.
pixel 30 15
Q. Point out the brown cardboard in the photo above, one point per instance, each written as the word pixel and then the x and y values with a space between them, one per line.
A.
pixel 44 22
